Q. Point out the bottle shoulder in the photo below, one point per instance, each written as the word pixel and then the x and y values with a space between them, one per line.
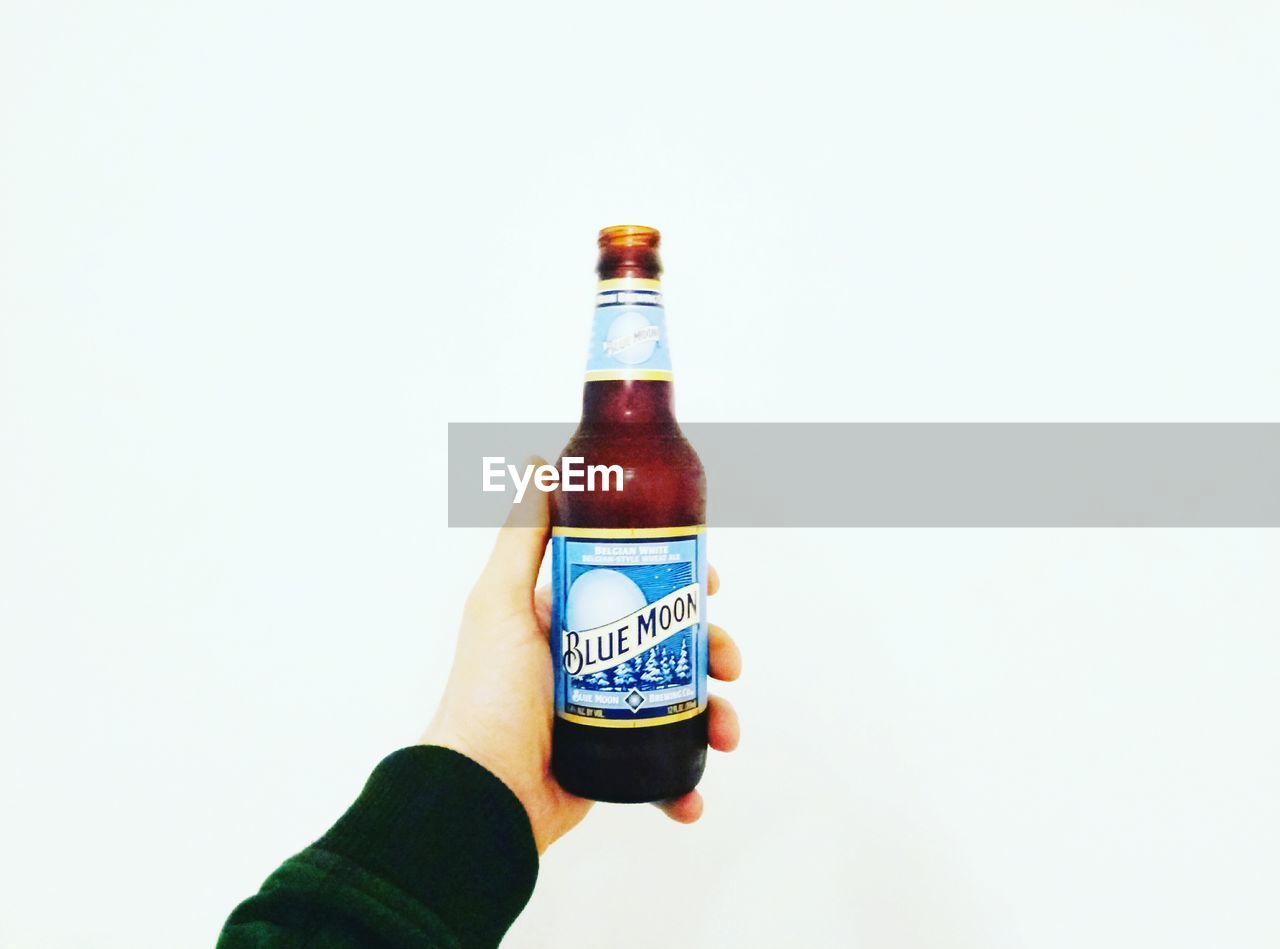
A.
pixel 639 443
pixel 663 483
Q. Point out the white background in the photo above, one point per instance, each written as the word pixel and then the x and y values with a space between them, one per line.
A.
pixel 254 256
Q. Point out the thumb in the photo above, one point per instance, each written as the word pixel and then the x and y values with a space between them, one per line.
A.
pixel 513 566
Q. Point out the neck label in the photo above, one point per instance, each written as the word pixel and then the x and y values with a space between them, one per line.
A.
pixel 629 332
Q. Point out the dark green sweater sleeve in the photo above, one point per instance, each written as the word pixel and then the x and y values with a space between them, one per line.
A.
pixel 435 852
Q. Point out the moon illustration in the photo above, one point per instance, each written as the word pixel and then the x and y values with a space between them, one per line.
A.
pixel 601 596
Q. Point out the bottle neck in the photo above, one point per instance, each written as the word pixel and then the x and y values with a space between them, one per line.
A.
pixel 612 402
pixel 628 378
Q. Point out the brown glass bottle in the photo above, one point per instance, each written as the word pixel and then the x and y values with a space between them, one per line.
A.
pixel 658 750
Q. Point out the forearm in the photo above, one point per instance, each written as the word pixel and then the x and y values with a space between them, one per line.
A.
pixel 435 852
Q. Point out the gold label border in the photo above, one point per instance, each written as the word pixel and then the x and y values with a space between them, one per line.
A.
pixel 645 375
pixel 628 723
pixel 628 283
pixel 691 530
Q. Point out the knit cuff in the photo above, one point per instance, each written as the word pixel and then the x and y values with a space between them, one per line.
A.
pixel 448 833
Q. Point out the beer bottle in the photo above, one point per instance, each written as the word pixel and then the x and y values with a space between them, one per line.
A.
pixel 629 568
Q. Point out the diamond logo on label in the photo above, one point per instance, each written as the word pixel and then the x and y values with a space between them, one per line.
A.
pixel 634 700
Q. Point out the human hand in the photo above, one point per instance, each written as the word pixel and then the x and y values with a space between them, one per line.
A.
pixel 497 705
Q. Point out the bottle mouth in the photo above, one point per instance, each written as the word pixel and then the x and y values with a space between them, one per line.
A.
pixel 629 250
pixel 629 235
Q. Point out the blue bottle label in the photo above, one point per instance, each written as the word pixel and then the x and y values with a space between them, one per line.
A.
pixel 629 332
pixel 628 629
